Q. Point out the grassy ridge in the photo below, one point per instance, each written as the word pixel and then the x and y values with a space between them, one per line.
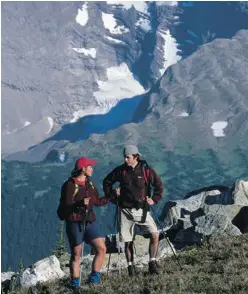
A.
pixel 219 266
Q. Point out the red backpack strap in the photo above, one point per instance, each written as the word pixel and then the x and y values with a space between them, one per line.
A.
pixel 124 172
pixel 146 174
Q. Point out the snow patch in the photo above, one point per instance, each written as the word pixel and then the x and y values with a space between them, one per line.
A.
pixel 144 24
pixel 168 3
pixel 110 24
pixel 62 156
pixel 140 6
pixel 218 128
pixel 89 111
pixel 90 51
pixel 27 123
pixel 120 84
pixel 50 120
pixel 170 50
pixel 82 15
pixel 114 40
pixel 184 114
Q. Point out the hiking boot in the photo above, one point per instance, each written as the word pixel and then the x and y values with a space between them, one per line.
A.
pixel 95 278
pixel 131 271
pixel 75 283
pixel 153 267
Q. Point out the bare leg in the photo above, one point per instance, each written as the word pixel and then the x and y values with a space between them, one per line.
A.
pixel 75 260
pixel 153 246
pixel 129 252
pixel 100 248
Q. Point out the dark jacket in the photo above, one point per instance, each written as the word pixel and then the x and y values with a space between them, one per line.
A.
pixel 75 205
pixel 133 184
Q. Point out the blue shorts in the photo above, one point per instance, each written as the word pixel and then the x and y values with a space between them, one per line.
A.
pixel 76 234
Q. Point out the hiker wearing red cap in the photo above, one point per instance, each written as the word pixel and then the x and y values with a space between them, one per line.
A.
pixel 80 195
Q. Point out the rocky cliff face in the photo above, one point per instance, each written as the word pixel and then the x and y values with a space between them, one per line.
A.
pixel 203 97
pixel 64 61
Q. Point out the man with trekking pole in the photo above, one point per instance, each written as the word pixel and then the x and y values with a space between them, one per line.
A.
pixel 136 181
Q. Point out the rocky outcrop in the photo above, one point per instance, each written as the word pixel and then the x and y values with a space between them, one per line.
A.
pixel 6 276
pixel 212 211
pixel 5 281
pixel 47 269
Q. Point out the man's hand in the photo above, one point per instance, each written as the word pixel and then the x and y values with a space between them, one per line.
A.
pixel 149 201
pixel 118 191
pixel 86 201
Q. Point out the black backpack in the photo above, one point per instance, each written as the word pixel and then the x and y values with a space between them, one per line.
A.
pixel 62 210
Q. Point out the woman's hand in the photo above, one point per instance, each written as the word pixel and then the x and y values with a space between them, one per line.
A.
pixel 86 201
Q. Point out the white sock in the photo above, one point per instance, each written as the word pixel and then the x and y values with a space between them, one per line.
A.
pixel 152 258
pixel 129 263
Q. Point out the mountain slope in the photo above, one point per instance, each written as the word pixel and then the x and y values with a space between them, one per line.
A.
pixel 63 61
pixel 202 101
pixel 199 103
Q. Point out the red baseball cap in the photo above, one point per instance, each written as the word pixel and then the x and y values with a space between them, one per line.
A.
pixel 83 162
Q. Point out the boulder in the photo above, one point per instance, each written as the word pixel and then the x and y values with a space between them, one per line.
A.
pixel 64 260
pixel 210 211
pixel 5 281
pixel 215 225
pixel 47 269
pixel 240 193
pixel 6 276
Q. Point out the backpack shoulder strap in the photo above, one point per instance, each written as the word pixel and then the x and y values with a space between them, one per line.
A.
pixel 75 191
pixel 90 184
pixel 146 172
pixel 122 170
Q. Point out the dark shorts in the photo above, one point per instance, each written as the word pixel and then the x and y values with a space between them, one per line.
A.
pixel 76 234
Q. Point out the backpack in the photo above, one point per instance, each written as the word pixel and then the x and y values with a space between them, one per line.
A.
pixel 62 210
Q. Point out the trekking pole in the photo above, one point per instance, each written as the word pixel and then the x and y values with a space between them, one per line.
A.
pixel 82 255
pixel 164 234
pixel 117 222
pixel 108 263
pixel 118 228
